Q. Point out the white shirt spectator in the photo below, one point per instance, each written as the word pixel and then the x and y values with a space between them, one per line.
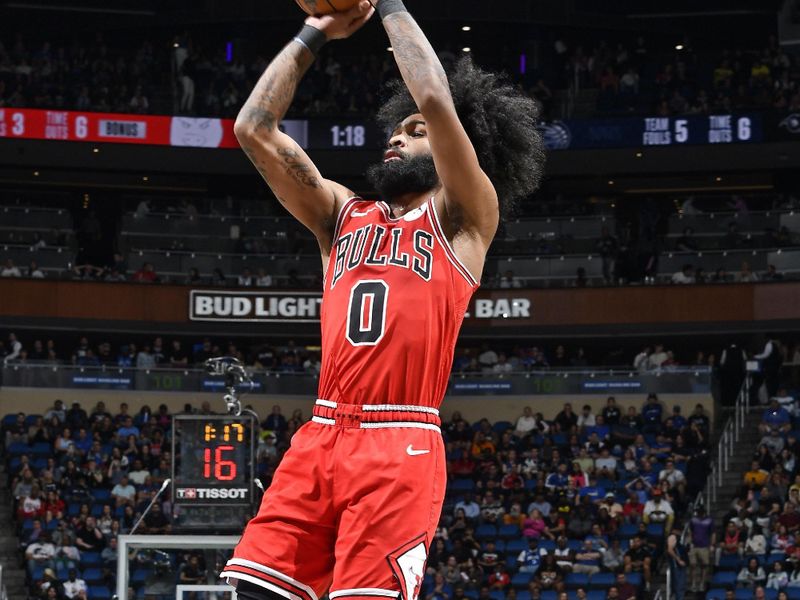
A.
pixel 10 270
pixel 673 477
pixel 488 358
pixel 640 362
pixel 656 359
pixel 16 348
pixel 607 462
pixel 586 420
pixel 658 512
pixel 502 368
pixel 73 589
pixel 40 551
pixel 124 491
pixel 264 280
pixel 682 278
pixel 526 424
pixel 471 509
pixel 138 477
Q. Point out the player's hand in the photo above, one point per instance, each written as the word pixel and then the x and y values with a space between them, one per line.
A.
pixel 341 25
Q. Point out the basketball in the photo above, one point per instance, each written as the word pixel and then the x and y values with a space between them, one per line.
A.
pixel 326 7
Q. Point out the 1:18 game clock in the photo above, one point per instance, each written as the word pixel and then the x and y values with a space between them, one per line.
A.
pixel 213 460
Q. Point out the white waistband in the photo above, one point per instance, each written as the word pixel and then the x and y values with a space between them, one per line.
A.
pixel 384 407
pixel 386 425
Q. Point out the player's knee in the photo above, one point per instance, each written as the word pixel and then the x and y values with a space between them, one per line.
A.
pixel 249 591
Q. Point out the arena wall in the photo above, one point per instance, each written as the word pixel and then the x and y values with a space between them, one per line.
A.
pixel 496 408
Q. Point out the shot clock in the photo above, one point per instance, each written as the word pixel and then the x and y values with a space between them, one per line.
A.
pixel 213 460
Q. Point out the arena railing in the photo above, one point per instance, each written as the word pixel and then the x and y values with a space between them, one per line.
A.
pixel 3 593
pixel 555 381
pixel 728 439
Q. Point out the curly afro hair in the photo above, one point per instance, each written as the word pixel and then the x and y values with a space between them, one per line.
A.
pixel 500 120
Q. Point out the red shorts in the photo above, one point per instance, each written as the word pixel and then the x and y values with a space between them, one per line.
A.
pixel 352 508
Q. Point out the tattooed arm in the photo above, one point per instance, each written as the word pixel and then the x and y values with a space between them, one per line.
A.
pixel 468 197
pixel 284 165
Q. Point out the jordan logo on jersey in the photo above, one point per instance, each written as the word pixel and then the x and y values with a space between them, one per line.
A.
pixel 375 245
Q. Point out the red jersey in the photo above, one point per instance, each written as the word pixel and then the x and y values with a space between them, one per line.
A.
pixel 394 298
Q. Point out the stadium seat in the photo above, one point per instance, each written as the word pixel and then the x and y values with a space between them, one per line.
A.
pixel 93 576
pixel 508 532
pixel 549 595
pixel 101 495
pixel 523 595
pixel 793 593
pixel 521 580
pixel 601 581
pixel 502 426
pixel 516 546
pixel 31 419
pixel 655 530
pixel 715 594
pixel 548 545
pixel 576 580
pixel 729 562
pixel 484 532
pixel 628 530
pixel 18 449
pixel 9 420
pixel 724 579
pixel 91 559
pixel 462 485
pixel 42 449
pixel 635 579
pixel 497 595
pixel 99 592
pixel 139 577
pixel 596 595
pixel 771 559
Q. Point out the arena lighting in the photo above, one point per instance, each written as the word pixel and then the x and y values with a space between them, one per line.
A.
pixel 229 52
pixel 679 47
pixel 390 49
pixel 467 49
pixel 523 63
pixel 466 28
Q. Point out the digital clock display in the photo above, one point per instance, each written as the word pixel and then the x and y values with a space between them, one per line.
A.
pixel 213 459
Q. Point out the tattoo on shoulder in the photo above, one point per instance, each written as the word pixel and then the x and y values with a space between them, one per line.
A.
pixel 300 171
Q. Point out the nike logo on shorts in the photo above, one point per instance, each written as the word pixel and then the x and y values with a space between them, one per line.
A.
pixel 411 452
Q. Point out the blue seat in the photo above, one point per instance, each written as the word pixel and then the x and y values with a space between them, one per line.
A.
pixel 596 595
pixel 99 592
pixel 635 579
pixel 508 532
pixel 42 449
pixel 793 593
pixel 655 530
pixel 38 464
pixel 600 581
pixel 139 577
pixel 744 594
pixel 96 510
pixel 775 557
pixel 502 426
pixel 27 524
pixel 497 595
pixel 31 419
pixel 486 532
pixel 521 580
pixel 93 576
pixel 715 594
pixel 90 559
pixel 9 420
pixel 101 495
pixel 73 508
pixel 548 545
pixel 61 573
pixel 462 485
pixel 725 579
pixel 52 525
pixel 574 545
pixel 18 449
pixel 516 546
pixel 729 562
pixel 549 595
pixel 523 595
pixel 576 580
pixel 627 531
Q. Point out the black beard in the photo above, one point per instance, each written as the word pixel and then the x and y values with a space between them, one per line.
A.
pixel 407 176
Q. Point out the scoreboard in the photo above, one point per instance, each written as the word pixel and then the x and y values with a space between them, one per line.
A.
pixel 213 460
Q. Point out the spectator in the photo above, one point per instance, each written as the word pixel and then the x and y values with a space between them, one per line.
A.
pixel 40 554
pixel 10 270
pixel 684 276
pixel 146 274
pixel 263 280
pixel 751 575
pixel 678 561
pixel 659 510
pixel 75 587
pixel 530 560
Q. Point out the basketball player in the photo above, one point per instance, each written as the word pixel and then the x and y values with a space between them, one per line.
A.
pixel 354 504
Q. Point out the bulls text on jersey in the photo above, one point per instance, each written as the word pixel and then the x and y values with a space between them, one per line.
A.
pixel 367 246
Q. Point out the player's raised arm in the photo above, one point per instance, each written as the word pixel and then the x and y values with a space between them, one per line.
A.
pixel 287 169
pixel 469 196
